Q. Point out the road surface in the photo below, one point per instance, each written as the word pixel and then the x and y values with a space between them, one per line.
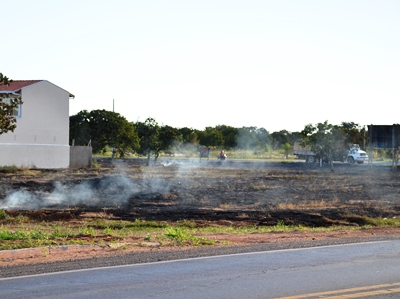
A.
pixel 356 270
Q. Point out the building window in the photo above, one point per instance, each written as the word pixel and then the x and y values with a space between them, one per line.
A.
pixel 16 111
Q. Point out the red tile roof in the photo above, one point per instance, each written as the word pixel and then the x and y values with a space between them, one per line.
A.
pixel 16 85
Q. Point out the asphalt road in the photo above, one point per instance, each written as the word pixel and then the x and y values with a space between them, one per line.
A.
pixel 358 270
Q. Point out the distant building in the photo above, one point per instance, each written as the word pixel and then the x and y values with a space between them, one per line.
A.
pixel 42 134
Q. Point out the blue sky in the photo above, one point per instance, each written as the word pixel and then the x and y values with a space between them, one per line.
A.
pixel 270 64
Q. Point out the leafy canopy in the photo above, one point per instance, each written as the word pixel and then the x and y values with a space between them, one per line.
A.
pixel 148 132
pixel 325 139
pixel 8 105
pixel 103 128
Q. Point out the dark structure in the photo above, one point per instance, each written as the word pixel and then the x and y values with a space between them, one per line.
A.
pixel 385 137
pixel 205 153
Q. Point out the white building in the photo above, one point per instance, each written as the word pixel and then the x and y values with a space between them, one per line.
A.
pixel 41 138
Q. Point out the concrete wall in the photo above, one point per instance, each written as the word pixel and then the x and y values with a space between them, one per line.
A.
pixel 42 134
pixel 80 156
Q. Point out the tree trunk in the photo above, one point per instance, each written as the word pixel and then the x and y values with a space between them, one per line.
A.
pixel 148 158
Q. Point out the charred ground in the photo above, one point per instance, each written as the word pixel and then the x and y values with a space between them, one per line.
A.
pixel 207 192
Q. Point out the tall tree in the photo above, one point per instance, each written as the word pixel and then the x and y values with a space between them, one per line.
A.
pixel 189 135
pixel 210 137
pixel 246 138
pixel 325 139
pixel 4 80
pixel 229 135
pixel 104 128
pixel 252 138
pixel 148 132
pixel 280 138
pixel 286 149
pixel 79 128
pixel 8 105
pixel 126 139
pixel 355 134
pixel 169 138
pixel 262 136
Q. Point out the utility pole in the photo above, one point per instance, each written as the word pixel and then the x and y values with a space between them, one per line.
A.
pixel 112 150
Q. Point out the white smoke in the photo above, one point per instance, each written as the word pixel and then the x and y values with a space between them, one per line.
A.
pixel 61 195
pixel 21 199
pixel 108 191
pixel 114 190
pixel 73 195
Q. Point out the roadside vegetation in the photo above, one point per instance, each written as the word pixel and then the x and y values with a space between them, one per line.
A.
pixel 22 232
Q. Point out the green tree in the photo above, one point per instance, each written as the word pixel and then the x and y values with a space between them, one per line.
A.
pixel 126 139
pixel 190 140
pixel 79 128
pixel 325 139
pixel 262 136
pixel 247 138
pixel 229 135
pixel 355 134
pixel 4 80
pixel 286 148
pixel 169 140
pixel 8 105
pixel 252 138
pixel 148 132
pixel 189 135
pixel 280 138
pixel 210 137
pixel 104 128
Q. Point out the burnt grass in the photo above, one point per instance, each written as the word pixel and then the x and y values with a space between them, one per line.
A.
pixel 207 192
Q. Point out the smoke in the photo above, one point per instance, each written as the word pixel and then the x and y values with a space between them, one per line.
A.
pixel 168 163
pixel 245 140
pixel 120 187
pixel 116 190
pixel 23 199
pixel 62 195
pixel 73 195
pixel 113 190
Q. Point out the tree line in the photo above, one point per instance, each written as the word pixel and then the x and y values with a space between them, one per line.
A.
pixel 104 129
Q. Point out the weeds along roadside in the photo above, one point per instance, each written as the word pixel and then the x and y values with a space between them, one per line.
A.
pixel 21 232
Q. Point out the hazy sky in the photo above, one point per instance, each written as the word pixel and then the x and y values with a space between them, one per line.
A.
pixel 272 64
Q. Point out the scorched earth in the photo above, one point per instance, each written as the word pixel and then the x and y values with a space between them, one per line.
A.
pixel 208 193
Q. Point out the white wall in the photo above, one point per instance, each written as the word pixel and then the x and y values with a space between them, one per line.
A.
pixel 34 156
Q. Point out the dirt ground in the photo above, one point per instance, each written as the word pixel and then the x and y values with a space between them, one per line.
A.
pixel 230 193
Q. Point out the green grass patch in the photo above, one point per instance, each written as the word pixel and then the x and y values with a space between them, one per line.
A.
pixel 183 237
pixel 15 234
